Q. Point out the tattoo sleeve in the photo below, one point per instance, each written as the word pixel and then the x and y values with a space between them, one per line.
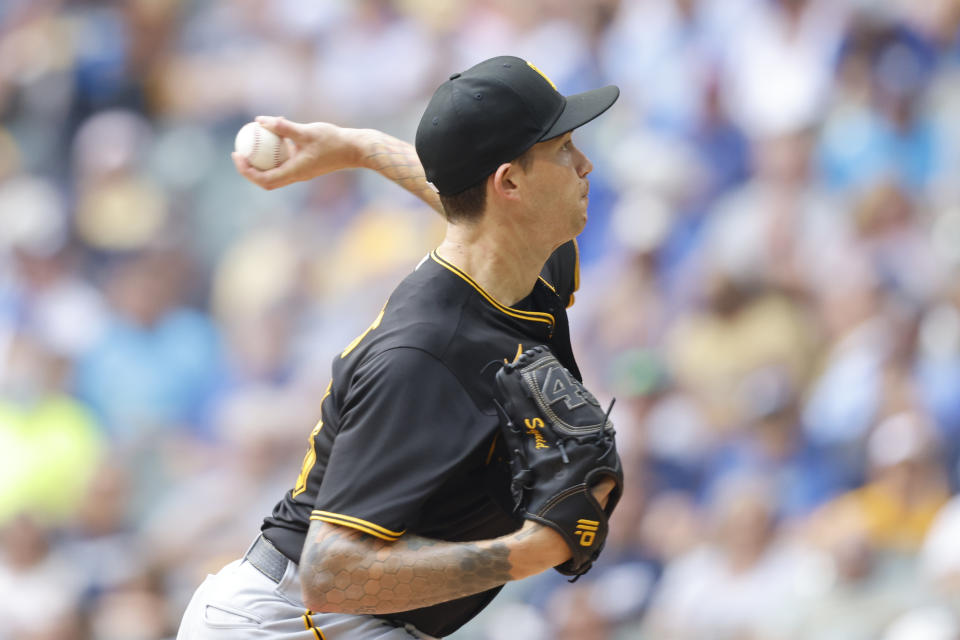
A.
pixel 347 571
pixel 398 161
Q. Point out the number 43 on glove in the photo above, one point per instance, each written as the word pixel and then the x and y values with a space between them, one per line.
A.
pixel 561 444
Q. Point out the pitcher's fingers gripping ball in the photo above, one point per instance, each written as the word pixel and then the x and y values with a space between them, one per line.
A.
pixel 261 147
pixel 561 444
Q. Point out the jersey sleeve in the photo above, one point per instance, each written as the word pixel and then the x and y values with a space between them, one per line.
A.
pixel 406 424
pixel 562 271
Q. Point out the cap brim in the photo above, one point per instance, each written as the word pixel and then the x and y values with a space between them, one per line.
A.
pixel 581 108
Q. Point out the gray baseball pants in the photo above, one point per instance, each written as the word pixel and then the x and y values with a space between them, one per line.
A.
pixel 263 602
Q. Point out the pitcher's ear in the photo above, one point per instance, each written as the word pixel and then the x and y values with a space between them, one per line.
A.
pixel 507 181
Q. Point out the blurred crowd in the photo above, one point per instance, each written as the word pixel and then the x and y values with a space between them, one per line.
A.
pixel 769 288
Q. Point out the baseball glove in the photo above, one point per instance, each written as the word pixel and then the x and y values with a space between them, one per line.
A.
pixel 561 444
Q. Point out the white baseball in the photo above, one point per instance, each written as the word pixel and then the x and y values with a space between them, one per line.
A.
pixel 261 147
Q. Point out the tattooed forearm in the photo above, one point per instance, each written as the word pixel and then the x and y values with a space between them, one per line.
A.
pixel 344 570
pixel 398 161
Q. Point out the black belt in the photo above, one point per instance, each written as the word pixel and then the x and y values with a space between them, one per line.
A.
pixel 266 559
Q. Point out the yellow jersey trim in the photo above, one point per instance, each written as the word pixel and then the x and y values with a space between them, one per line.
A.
pixel 493 446
pixel 549 286
pixel 356 341
pixel 519 351
pixel 576 273
pixel 310 457
pixel 534 316
pixel 357 523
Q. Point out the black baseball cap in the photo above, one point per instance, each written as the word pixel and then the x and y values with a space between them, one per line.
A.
pixel 493 112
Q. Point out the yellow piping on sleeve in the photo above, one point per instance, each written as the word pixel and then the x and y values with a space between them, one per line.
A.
pixel 359 524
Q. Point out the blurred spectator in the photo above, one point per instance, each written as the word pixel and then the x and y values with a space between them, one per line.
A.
pixel 924 623
pixel 774 445
pixel 671 526
pixel 259 439
pixel 158 362
pixel 737 583
pixel 907 485
pixel 781 226
pixel 890 233
pixel 40 588
pixel 678 440
pixel 741 328
pixel 878 128
pixel 846 398
pixel 50 444
pixel 137 611
pixel 780 65
pixel 940 558
pixel 938 370
pixel 659 53
pixel 368 38
pixel 626 313
pixel 44 290
pixel 865 588
pixel 577 613
pixel 100 535
pixel 724 149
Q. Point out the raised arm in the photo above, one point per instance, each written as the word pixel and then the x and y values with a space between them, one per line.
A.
pixel 345 571
pixel 319 148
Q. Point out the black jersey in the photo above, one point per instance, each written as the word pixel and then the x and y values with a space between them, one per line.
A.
pixel 407 440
